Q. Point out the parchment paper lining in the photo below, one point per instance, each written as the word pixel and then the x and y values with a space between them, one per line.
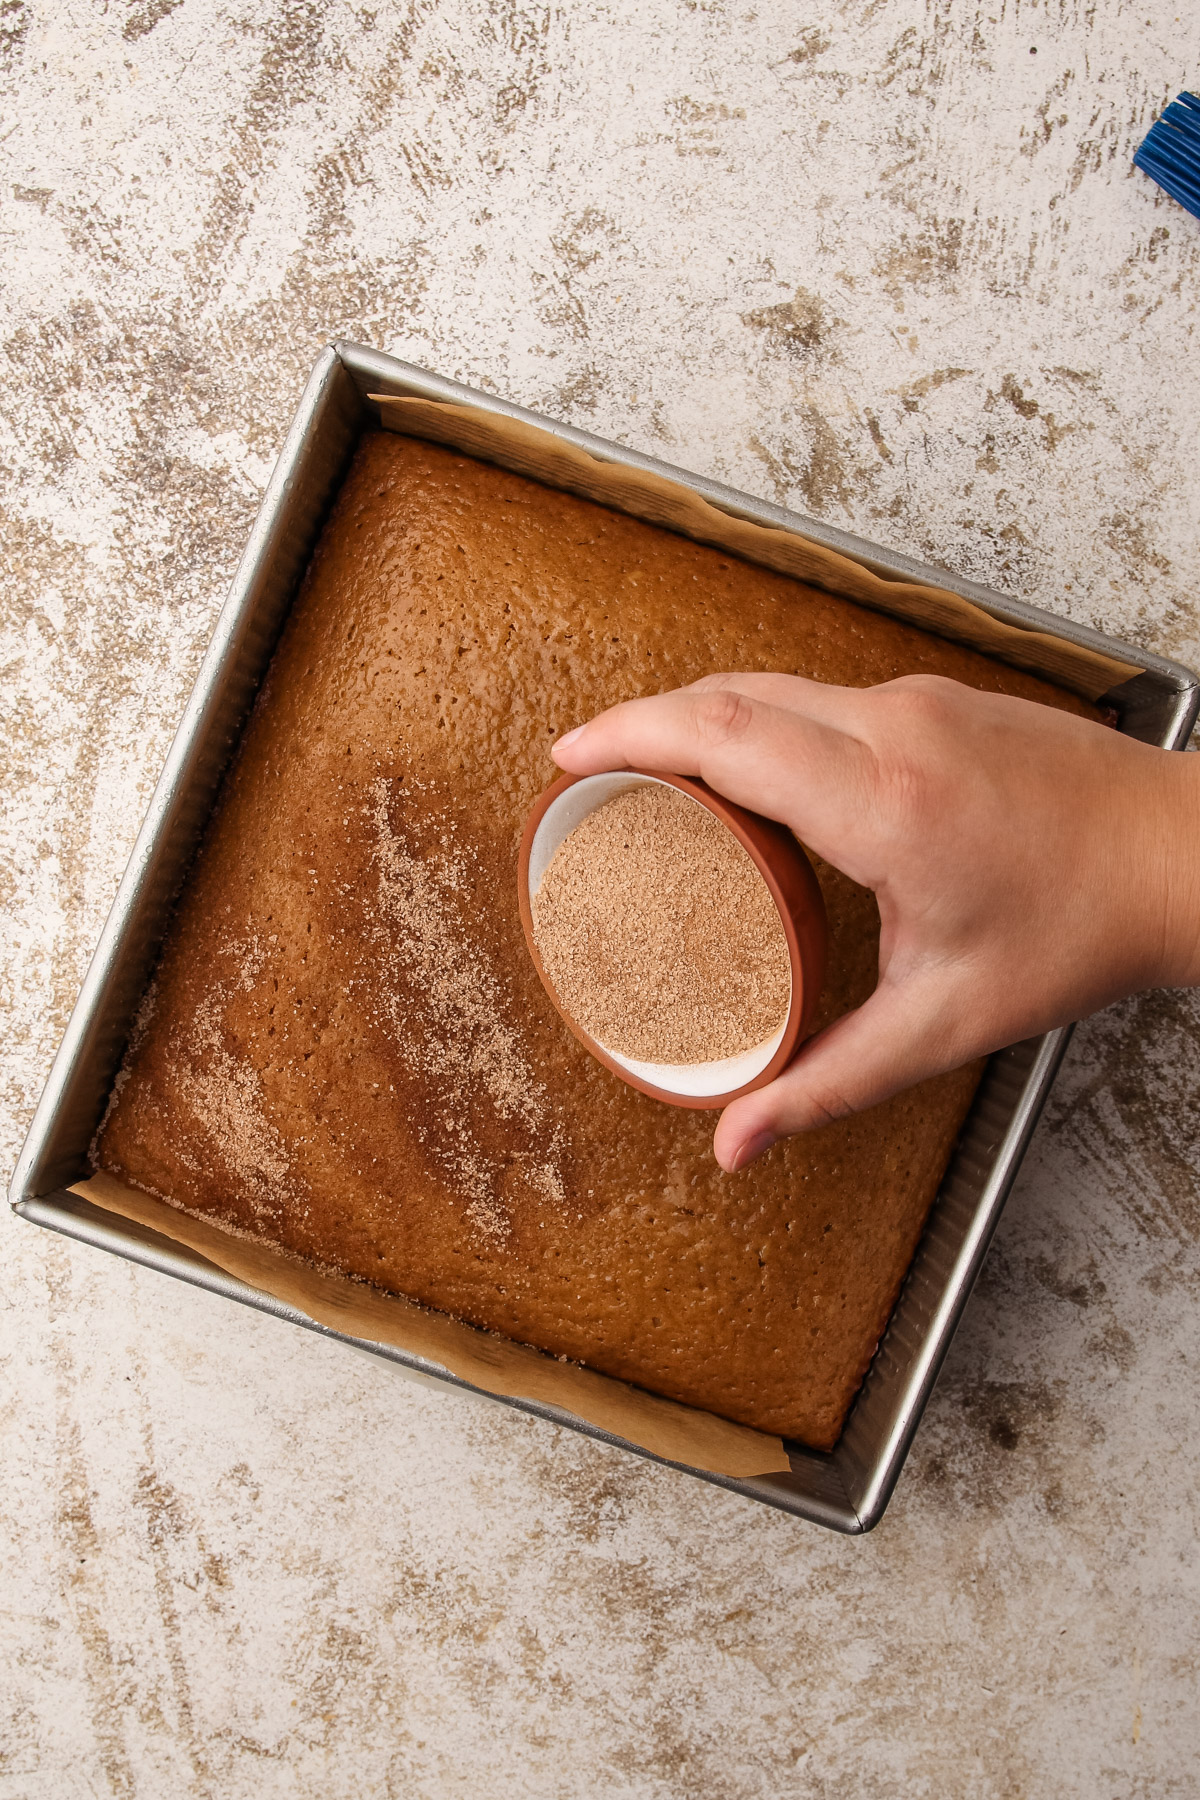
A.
pixel 680 1434
pixel 528 450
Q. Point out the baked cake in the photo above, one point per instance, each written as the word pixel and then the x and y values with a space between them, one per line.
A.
pixel 346 1051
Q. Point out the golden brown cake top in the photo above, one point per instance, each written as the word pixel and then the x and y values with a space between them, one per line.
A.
pixel 346 1051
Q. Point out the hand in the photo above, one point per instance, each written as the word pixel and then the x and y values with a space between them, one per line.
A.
pixel 1029 866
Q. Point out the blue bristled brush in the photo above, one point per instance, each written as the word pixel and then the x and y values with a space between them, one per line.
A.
pixel 1170 152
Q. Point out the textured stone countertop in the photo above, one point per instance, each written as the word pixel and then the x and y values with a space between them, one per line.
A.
pixel 886 261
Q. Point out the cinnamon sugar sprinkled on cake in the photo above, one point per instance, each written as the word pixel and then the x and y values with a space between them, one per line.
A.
pixel 451 1020
pixel 225 1093
pixel 659 933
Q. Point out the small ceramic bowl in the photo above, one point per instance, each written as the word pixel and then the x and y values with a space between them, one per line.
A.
pixel 793 887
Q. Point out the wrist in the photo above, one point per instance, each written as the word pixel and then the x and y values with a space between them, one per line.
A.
pixel 1178 830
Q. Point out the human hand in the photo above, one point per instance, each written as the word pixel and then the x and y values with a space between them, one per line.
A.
pixel 1029 866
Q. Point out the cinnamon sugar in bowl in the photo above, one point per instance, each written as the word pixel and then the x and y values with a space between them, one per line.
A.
pixel 681 937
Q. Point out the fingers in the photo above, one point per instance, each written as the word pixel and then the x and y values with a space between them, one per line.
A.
pixel 902 1034
pixel 821 700
pixel 781 763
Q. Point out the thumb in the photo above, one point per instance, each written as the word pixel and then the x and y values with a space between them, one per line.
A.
pixel 907 1030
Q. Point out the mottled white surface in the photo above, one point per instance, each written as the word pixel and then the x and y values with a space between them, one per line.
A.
pixel 877 259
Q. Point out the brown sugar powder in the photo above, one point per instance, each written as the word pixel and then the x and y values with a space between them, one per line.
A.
pixel 659 934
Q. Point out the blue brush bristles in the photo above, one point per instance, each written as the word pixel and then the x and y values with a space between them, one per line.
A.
pixel 1170 152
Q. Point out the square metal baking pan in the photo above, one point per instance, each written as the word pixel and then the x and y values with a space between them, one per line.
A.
pixel 847 1489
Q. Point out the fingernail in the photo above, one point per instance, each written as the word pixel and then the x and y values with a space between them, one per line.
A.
pixel 570 737
pixel 753 1146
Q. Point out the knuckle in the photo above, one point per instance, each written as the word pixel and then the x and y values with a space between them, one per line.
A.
pixel 824 1105
pixel 923 698
pixel 921 713
pixel 722 717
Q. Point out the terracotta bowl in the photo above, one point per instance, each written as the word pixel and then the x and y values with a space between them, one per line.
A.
pixel 793 887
